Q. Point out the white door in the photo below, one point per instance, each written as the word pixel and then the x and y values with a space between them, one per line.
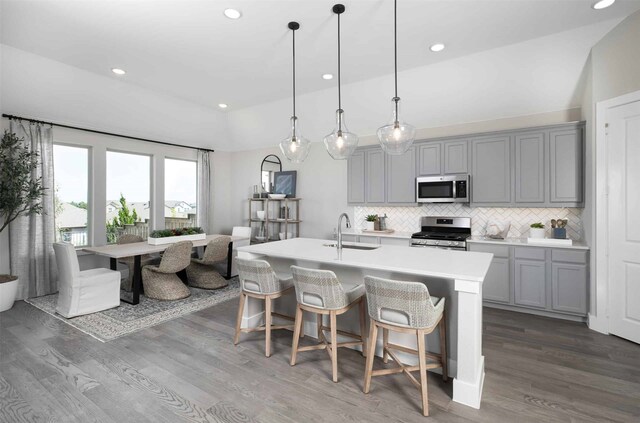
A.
pixel 623 159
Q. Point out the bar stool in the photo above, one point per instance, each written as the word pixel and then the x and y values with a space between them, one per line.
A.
pixel 320 292
pixel 258 280
pixel 405 307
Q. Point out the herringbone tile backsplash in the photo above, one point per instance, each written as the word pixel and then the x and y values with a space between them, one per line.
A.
pixel 407 219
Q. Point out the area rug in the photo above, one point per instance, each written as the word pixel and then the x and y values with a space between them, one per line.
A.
pixel 116 322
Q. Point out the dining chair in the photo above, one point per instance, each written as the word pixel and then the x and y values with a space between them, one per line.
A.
pixel 202 273
pixel 160 281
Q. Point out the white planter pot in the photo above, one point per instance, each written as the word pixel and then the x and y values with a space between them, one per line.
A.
pixel 173 239
pixel 370 226
pixel 536 232
pixel 8 291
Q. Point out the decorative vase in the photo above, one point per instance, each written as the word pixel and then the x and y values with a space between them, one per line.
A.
pixel 536 232
pixel 370 226
pixel 8 291
pixel 560 233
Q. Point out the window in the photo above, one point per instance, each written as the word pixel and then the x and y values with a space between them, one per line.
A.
pixel 180 193
pixel 71 176
pixel 128 195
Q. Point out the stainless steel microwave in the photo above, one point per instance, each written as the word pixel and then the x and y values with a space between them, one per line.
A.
pixel 443 189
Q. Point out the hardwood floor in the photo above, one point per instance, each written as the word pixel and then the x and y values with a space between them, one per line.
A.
pixel 537 369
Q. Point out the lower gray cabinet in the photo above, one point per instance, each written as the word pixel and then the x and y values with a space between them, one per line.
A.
pixel 530 283
pixel 497 283
pixel 568 287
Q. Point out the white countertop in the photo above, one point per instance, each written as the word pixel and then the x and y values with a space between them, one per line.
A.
pixel 433 262
pixel 522 242
pixel 359 232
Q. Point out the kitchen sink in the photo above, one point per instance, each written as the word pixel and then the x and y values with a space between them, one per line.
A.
pixel 353 247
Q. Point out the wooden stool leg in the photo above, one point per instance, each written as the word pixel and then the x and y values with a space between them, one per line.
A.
pixel 422 363
pixel 334 346
pixel 385 342
pixel 363 327
pixel 267 326
pixel 319 323
pixel 243 297
pixel 296 335
pixel 302 325
pixel 373 334
pixel 443 346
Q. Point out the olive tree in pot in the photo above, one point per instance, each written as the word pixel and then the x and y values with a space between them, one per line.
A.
pixel 20 194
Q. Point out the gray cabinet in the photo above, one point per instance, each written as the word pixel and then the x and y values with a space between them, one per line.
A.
pixel 530 283
pixel 456 157
pixel 566 166
pixel 530 167
pixel 356 178
pixel 568 287
pixel 429 159
pixel 401 173
pixel 375 176
pixel 491 174
pixel 552 281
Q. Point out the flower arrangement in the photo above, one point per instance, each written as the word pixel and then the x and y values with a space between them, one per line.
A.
pixel 371 217
pixel 537 225
pixel 163 233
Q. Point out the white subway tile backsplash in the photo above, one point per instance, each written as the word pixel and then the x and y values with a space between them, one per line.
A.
pixel 407 219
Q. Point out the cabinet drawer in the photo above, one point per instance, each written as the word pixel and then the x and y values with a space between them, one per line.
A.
pixel 395 241
pixel 532 253
pixel 496 250
pixel 569 256
pixel 369 239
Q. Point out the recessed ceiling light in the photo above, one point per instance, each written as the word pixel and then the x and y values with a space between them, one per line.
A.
pixel 118 71
pixel 223 105
pixel 603 4
pixel 437 47
pixel 232 13
pixel 327 76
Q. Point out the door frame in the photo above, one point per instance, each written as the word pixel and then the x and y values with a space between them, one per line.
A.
pixel 600 287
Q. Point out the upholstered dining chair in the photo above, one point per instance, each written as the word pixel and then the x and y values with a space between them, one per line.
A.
pixel 83 292
pixel 161 282
pixel 202 273
pixel 320 292
pixel 144 260
pixel 405 307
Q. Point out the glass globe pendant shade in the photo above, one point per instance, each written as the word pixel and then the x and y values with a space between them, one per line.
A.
pixel 295 147
pixel 397 137
pixel 341 143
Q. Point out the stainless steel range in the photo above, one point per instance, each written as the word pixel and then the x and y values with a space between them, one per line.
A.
pixel 443 232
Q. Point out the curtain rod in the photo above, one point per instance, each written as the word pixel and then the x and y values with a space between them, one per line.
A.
pixel 103 132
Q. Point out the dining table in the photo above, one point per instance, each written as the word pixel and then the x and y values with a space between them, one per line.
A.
pixel 139 249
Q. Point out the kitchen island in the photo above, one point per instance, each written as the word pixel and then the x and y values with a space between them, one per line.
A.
pixel 455 275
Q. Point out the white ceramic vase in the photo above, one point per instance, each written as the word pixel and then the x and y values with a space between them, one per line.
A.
pixel 8 291
pixel 370 226
pixel 536 232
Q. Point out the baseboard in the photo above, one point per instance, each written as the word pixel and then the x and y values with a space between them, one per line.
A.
pixel 598 324
pixel 543 313
pixel 469 393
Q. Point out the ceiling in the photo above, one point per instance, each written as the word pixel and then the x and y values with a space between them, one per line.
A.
pixel 189 49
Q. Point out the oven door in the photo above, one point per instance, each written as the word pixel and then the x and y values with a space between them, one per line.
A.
pixel 442 189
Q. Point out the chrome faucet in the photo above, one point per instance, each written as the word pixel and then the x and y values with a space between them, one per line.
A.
pixel 339 245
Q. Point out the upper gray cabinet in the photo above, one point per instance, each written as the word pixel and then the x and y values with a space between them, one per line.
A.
pixel 401 171
pixel 443 157
pixel 491 175
pixel 356 178
pixel 530 167
pixel 566 174
pixel 375 173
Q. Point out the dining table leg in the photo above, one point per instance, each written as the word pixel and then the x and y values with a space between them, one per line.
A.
pixel 229 260
pixel 136 287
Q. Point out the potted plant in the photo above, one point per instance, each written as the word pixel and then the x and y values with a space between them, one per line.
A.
pixel 169 236
pixel 20 195
pixel 536 230
pixel 371 222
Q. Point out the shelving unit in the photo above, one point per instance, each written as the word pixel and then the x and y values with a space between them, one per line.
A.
pixel 281 223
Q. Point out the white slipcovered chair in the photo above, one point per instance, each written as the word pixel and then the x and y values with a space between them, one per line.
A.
pixel 83 292
pixel 245 232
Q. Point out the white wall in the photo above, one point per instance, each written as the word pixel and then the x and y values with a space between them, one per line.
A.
pixel 37 87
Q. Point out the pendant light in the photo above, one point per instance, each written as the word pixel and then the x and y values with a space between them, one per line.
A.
pixel 340 143
pixel 397 136
pixel 295 147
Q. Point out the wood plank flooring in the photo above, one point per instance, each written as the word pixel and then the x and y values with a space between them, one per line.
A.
pixel 188 370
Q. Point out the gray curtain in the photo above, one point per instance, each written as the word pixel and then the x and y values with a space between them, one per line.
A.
pixel 31 237
pixel 204 189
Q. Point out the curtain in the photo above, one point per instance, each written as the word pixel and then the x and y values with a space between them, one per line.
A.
pixel 31 237
pixel 204 189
